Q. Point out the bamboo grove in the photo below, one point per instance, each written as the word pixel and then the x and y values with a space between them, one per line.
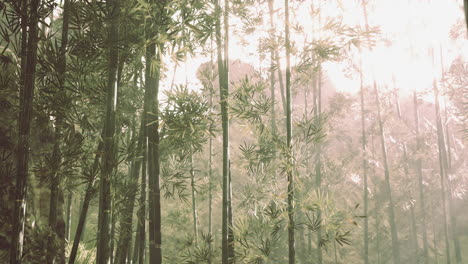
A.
pixel 227 131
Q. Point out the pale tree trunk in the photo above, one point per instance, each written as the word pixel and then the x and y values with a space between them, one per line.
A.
pixel 388 189
pixel 420 181
pixel 291 225
pixel 364 172
pixel 28 70
pixel 414 237
pixel 442 171
pixel 103 253
pixel 377 204
pixel 210 159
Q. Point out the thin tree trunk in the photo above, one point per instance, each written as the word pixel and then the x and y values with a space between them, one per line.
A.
pixel 69 216
pixel 452 215
pixel 231 252
pixel 224 94
pixel 210 160
pixel 388 189
pixel 194 201
pixel 434 231
pixel 272 74
pixel 448 166
pixel 364 172
pixel 123 245
pixel 86 201
pixel 443 170
pixel 291 225
pixel 152 75
pixel 280 80
pixel 139 254
pixel 414 237
pixel 25 115
pixel 55 191
pixel 377 204
pixel 103 253
pixel 420 182
pixel 318 162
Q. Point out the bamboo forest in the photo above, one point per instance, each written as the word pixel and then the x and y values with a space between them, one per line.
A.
pixel 234 131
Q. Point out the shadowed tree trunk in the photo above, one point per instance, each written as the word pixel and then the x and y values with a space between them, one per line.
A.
pixel 123 245
pixel 28 70
pixel 103 253
pixel 55 191
pixel 152 75
pixel 84 208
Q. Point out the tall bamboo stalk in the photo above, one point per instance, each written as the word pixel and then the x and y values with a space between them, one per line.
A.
pixel 420 181
pixel 388 189
pixel 28 70
pixel 103 253
pixel 291 225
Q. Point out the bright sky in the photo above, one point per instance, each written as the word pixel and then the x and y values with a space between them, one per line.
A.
pixel 412 27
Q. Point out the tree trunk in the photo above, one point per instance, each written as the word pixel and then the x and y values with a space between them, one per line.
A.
pixel 103 253
pixel 318 162
pixel 377 204
pixel 123 245
pixel 414 236
pixel 84 209
pixel 442 170
pixel 24 121
pixel 364 172
pixel 139 252
pixel 194 201
pixel 223 73
pixel 291 225
pixel 57 156
pixel 388 189
pixel 69 216
pixel 152 74
pixel 420 182
pixel 272 75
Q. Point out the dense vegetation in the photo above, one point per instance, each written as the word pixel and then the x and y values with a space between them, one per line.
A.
pixel 108 157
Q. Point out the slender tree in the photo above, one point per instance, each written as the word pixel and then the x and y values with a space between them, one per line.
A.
pixel 55 191
pixel 123 244
pixel 291 225
pixel 89 191
pixel 151 108
pixel 419 172
pixel 414 238
pixel 28 70
pixel 223 77
pixel 364 171
pixel 105 210
pixel 442 170
pixel 388 189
